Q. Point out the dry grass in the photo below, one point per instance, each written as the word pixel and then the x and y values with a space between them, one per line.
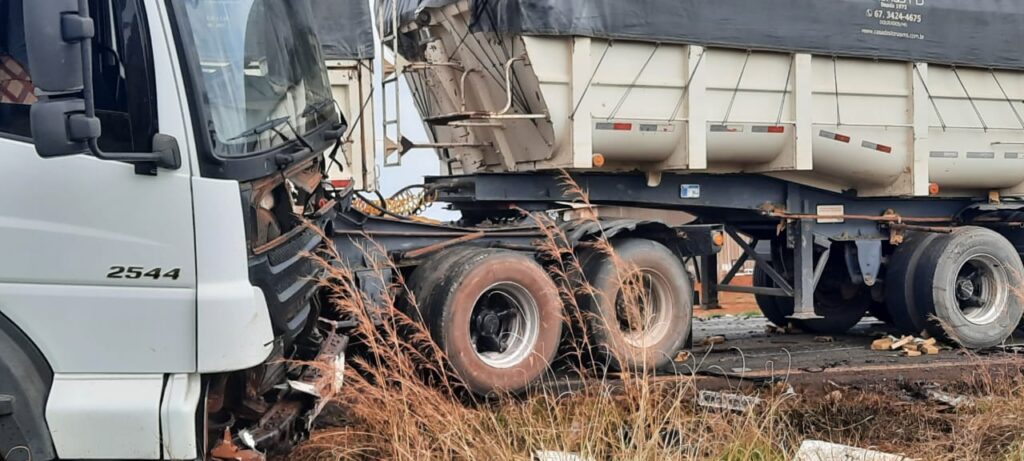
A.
pixel 400 402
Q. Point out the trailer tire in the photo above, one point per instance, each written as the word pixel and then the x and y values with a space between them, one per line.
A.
pixel 497 316
pixel 841 310
pixel 904 311
pixel 770 306
pixel 964 287
pixel 612 339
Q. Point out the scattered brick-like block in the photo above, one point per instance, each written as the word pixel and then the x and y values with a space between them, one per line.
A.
pixel 883 344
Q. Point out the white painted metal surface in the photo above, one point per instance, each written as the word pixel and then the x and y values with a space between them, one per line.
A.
pixel 182 396
pixel 883 128
pixel 233 323
pixel 105 416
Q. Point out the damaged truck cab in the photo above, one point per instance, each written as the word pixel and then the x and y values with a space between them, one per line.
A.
pixel 161 168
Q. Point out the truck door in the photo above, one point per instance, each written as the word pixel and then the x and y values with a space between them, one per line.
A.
pixel 96 262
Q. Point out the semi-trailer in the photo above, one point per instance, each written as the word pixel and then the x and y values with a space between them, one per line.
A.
pixel 155 301
pixel 865 156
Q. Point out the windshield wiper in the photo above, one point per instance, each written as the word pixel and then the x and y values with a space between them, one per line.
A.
pixel 315 107
pixel 262 128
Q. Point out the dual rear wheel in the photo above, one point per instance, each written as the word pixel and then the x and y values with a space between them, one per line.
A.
pixel 962 286
pixel 498 316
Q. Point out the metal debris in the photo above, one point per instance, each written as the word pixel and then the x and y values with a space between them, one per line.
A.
pixel 954 401
pixel 816 450
pixel 226 450
pixel 722 401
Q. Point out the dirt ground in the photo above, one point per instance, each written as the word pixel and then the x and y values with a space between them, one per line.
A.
pixel 738 304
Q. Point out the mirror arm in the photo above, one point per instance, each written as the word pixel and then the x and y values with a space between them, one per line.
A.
pixel 86 126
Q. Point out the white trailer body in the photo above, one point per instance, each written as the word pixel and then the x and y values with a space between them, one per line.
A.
pixel 882 128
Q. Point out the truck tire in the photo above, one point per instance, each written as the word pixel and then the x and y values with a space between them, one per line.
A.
pixel 840 304
pixel 616 337
pixel 497 316
pixel 965 287
pixel 904 313
pixel 427 276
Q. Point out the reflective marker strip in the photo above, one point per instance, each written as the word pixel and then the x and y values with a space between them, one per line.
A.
pixel 767 129
pixel 879 147
pixel 982 155
pixel 727 128
pixel 834 136
pixel 944 154
pixel 652 128
pixel 615 126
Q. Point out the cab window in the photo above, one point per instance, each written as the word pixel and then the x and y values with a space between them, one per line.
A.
pixel 124 96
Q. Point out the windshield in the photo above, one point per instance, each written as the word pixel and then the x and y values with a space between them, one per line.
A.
pixel 262 71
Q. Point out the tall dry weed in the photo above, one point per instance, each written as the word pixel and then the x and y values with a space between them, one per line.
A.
pixel 400 400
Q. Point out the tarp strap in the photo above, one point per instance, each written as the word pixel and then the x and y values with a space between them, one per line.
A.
pixel 785 89
pixel 632 85
pixel 736 90
pixel 931 98
pixel 977 112
pixel 1007 97
pixel 835 80
pixel 590 82
pixel 686 89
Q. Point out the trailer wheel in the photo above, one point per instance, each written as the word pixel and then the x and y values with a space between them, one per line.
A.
pixel 770 305
pixel 966 281
pixel 497 316
pixel 841 303
pixel 641 310
pixel 904 311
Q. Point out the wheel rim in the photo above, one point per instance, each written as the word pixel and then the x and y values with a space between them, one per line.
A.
pixel 981 289
pixel 644 319
pixel 504 325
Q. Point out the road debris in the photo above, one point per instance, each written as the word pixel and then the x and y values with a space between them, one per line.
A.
pixel 824 339
pixel 682 356
pixel 816 450
pixel 549 455
pixel 898 344
pixel 712 340
pixel 952 400
pixel 723 401
pixel 909 346
pixel 883 344
pixel 227 450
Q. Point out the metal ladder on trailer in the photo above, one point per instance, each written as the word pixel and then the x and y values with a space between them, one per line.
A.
pixel 392 70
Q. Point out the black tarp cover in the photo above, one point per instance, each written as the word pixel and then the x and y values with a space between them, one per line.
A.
pixel 345 28
pixel 985 33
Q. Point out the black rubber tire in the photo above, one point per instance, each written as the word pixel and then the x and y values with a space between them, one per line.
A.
pixel 936 287
pixel 904 313
pixel 427 276
pixel 769 305
pixel 880 311
pixel 449 306
pixel 612 345
pixel 842 310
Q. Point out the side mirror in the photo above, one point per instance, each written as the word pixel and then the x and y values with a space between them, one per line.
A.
pixel 58 35
pixel 54 33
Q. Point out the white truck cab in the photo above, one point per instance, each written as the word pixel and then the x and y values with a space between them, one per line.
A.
pixel 160 165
